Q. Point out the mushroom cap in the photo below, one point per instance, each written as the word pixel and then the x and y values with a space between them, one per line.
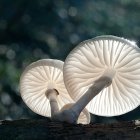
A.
pixel 84 117
pixel 36 79
pixel 113 56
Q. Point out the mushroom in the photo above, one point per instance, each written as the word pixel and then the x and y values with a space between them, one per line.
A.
pixel 84 117
pixel 107 65
pixel 42 87
pixel 43 90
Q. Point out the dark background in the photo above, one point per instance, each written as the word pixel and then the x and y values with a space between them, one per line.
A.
pixel 34 29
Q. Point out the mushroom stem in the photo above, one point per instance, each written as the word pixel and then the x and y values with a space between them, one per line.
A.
pixel 73 113
pixel 63 115
pixel 51 94
pixel 95 89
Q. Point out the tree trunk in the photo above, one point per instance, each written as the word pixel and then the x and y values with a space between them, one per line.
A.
pixel 50 130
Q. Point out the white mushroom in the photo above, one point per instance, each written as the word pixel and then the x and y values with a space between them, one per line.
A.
pixel 107 65
pixel 43 90
pixel 84 117
pixel 44 78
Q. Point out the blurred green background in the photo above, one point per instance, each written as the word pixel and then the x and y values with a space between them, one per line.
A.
pixel 34 29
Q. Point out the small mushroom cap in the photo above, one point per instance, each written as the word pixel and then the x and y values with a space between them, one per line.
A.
pixel 84 117
pixel 36 79
pixel 116 57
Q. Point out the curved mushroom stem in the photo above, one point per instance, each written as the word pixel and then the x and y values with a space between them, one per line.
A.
pixel 104 81
pixel 95 89
pixel 63 115
pixel 71 115
pixel 51 94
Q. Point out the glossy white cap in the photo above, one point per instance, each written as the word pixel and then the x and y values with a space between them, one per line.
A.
pixel 110 56
pixel 36 79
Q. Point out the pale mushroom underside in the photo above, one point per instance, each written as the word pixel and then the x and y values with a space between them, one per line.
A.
pixel 90 59
pixel 36 79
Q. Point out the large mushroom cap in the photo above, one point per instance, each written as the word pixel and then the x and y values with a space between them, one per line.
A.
pixel 84 117
pixel 36 79
pixel 118 58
